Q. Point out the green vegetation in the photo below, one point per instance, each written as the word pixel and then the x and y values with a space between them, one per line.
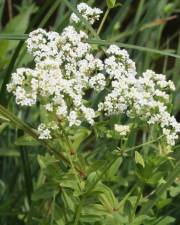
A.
pixel 89 175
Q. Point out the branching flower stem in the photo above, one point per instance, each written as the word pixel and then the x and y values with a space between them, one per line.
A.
pixel 103 21
pixel 146 143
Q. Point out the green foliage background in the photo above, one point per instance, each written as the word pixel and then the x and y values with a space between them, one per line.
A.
pixel 138 185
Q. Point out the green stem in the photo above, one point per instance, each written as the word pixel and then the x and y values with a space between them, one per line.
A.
pixel 103 21
pixel 126 197
pixel 74 170
pixel 136 204
pixel 88 25
pixel 106 168
pixel 146 143
pixel 27 129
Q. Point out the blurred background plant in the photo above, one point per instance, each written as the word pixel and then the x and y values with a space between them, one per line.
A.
pixel 150 178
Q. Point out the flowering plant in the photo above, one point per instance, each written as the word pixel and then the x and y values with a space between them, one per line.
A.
pixel 92 102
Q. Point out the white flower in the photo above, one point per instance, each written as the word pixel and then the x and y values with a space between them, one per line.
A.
pixel 42 44
pixel 89 114
pixel 98 82
pixel 62 110
pixel 49 107
pixel 73 119
pixel 24 86
pixel 171 85
pixel 123 130
pixel 90 14
pixel 44 132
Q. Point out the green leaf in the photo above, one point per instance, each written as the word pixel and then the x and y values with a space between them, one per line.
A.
pixel 45 161
pixel 26 140
pixel 79 136
pixel 9 153
pixel 68 199
pixel 138 220
pixel 154 178
pixel 163 203
pixel 111 3
pixel 116 218
pixel 105 202
pixel 4 119
pixel 111 173
pixel 166 221
pixel 94 167
pixel 16 25
pixel 44 192
pixel 92 213
pixel 127 208
pixel 174 191
pixel 91 218
pixel 169 7
pixel 106 196
pixel 161 189
pixel 139 159
pixel 3 126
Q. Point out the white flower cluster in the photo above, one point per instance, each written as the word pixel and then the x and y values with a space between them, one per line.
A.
pixel 67 69
pixel 24 86
pixel 98 82
pixel 90 14
pixel 42 44
pixel 123 130
pixel 45 131
pixel 145 97
pixel 61 76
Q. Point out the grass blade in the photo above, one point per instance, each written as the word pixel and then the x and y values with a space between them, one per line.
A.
pixel 3 96
pixel 140 48
pixel 102 43
pixel 17 37
pixel 27 173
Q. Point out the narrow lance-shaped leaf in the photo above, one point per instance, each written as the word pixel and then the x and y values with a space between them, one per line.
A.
pixel 139 159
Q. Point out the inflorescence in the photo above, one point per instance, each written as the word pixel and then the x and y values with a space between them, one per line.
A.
pixel 67 68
